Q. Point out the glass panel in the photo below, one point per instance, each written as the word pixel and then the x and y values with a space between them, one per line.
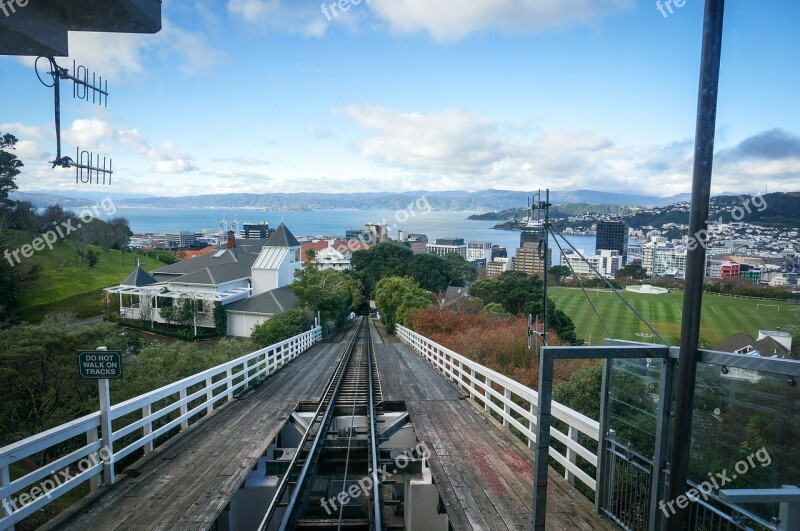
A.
pixel 746 431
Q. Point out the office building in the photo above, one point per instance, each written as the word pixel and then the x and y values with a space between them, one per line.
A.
pixel 448 245
pixel 613 236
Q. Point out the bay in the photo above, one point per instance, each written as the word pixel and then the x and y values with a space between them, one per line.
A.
pixel 433 223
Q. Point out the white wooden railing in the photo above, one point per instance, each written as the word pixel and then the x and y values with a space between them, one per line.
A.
pixel 512 401
pixel 186 400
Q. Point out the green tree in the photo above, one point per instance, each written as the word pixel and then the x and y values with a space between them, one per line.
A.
pixel 333 293
pixel 633 271
pixel 459 271
pixel 559 272
pixel 521 294
pixel 92 257
pixel 282 326
pixel 429 271
pixel 220 319
pixel 395 297
pixel 9 167
pixel 382 260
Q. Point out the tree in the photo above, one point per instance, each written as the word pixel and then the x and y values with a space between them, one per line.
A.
pixel 383 260
pixel 429 271
pixel 521 294
pixel 282 326
pixel 395 297
pixel 333 293
pixel 559 272
pixel 632 271
pixel 459 271
pixel 91 257
pixel 9 167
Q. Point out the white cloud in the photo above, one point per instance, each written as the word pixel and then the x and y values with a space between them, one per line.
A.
pixel 446 20
pixel 114 54
pixel 173 166
pixel 456 149
pixel 276 15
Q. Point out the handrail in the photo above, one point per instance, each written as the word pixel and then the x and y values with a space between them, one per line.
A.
pixel 87 461
pixel 481 383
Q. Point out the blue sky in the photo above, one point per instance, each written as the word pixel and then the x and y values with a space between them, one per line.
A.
pixel 272 96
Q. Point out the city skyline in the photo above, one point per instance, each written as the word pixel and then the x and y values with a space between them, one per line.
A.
pixel 265 96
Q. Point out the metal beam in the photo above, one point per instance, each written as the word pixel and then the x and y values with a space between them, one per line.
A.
pixel 696 258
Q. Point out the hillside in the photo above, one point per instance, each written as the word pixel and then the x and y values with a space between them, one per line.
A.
pixel 57 283
pixel 558 211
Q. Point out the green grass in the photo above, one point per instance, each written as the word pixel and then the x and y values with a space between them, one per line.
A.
pixel 721 317
pixel 62 285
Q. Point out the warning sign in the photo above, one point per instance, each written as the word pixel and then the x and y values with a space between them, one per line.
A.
pixel 100 364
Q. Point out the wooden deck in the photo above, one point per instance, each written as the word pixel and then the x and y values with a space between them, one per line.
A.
pixel 188 482
pixel 484 474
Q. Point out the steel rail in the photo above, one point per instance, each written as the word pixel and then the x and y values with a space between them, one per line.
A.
pixel 377 484
pixel 350 434
pixel 330 394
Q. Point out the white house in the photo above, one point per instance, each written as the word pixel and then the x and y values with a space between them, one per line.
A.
pixel 332 258
pixel 227 276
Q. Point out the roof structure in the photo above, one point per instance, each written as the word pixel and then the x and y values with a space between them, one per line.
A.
pixel 42 28
pixel 138 278
pixel 268 303
pixel 742 343
pixel 271 258
pixel 282 238
pixel 174 271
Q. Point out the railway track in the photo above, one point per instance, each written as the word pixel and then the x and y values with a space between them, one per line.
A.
pixel 338 450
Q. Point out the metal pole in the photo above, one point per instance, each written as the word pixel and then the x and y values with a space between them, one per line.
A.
pixel 695 260
pixel 546 232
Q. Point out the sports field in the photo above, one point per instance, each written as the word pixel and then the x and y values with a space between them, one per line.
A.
pixel 722 316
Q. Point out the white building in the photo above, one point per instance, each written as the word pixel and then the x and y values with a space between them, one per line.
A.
pixel 445 246
pixel 331 258
pixel 251 288
pixel 497 267
pixel 479 251
pixel 606 262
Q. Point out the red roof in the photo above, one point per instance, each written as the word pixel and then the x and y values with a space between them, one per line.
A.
pixel 189 254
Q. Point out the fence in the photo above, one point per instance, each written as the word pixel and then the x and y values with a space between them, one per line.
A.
pixel 160 413
pixel 512 402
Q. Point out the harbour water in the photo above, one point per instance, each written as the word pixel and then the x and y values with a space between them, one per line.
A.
pixel 434 224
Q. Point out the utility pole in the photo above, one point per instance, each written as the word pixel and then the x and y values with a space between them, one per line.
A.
pixel 695 262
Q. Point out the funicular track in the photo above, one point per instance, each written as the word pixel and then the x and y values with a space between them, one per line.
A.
pixel 339 448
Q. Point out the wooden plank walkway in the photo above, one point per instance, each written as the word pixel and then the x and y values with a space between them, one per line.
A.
pixel 187 483
pixel 484 474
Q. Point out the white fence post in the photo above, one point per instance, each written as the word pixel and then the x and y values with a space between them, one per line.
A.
pixel 229 377
pixel 209 395
pixel 184 409
pixel 105 430
pixel 530 424
pixel 96 480
pixel 572 433
pixel 147 429
pixel 507 409
pixel 5 479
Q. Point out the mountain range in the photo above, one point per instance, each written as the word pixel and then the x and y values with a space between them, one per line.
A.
pixel 484 200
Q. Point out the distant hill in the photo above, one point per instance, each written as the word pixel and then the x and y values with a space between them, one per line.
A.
pixel 776 210
pixel 485 200
pixel 558 211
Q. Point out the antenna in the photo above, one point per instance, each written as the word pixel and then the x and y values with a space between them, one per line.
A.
pixel 87 165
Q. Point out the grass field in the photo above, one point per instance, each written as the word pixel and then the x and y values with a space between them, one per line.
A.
pixel 721 317
pixel 62 285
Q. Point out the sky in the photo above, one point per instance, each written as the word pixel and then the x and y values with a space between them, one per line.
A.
pixel 260 96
